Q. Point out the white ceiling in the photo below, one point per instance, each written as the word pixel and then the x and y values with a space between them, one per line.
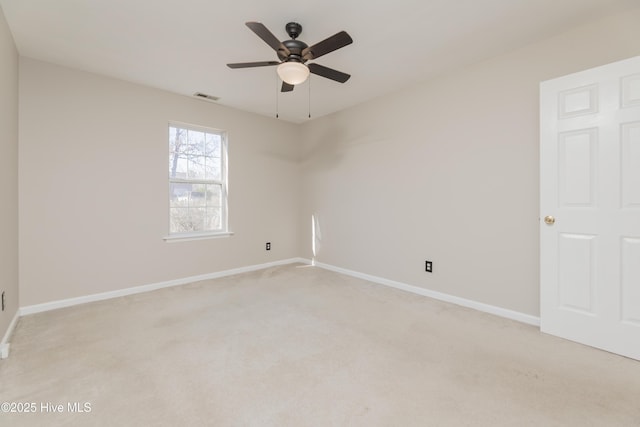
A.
pixel 183 46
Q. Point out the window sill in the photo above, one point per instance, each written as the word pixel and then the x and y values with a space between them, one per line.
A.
pixel 200 236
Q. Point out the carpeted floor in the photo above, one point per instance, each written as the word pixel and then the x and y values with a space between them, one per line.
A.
pixel 301 346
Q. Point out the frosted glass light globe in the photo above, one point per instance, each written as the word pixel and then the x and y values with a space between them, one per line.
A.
pixel 293 72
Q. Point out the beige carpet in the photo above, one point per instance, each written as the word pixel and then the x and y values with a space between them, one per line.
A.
pixel 301 346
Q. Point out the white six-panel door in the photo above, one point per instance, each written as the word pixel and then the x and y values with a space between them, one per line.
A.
pixel 590 207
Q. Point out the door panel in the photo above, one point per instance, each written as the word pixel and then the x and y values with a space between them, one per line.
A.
pixel 577 169
pixel 631 165
pixel 630 280
pixel 631 90
pixel 578 101
pixel 576 272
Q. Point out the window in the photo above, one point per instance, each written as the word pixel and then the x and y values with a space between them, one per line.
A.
pixel 197 181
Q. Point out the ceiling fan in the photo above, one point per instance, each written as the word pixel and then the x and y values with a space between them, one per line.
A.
pixel 294 54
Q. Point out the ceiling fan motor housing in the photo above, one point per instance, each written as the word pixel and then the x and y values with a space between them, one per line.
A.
pixel 295 46
pixel 295 51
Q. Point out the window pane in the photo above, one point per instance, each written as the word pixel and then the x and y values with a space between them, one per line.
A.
pixel 177 147
pixel 179 220
pixel 196 155
pixel 213 169
pixel 197 215
pixel 214 219
pixel 198 195
pixel 213 143
pixel 186 220
pixel 214 195
pixel 179 194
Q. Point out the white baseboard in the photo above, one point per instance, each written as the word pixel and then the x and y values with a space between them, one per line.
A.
pixel 4 350
pixel 53 305
pixel 4 344
pixel 498 311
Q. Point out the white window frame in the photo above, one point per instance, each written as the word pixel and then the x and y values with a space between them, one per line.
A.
pixel 224 183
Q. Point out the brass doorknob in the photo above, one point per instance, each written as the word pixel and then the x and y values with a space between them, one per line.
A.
pixel 549 220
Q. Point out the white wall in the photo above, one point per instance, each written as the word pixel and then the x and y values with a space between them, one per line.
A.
pixel 93 190
pixel 448 171
pixel 8 174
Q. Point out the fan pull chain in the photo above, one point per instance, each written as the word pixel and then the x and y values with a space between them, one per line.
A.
pixel 309 96
pixel 277 84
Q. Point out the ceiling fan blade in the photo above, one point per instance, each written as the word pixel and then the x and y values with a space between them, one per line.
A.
pixel 330 44
pixel 329 73
pixel 266 35
pixel 286 87
pixel 252 64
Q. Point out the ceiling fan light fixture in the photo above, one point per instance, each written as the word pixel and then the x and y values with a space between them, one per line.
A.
pixel 293 72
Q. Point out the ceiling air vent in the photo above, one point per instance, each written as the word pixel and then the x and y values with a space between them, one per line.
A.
pixel 201 95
